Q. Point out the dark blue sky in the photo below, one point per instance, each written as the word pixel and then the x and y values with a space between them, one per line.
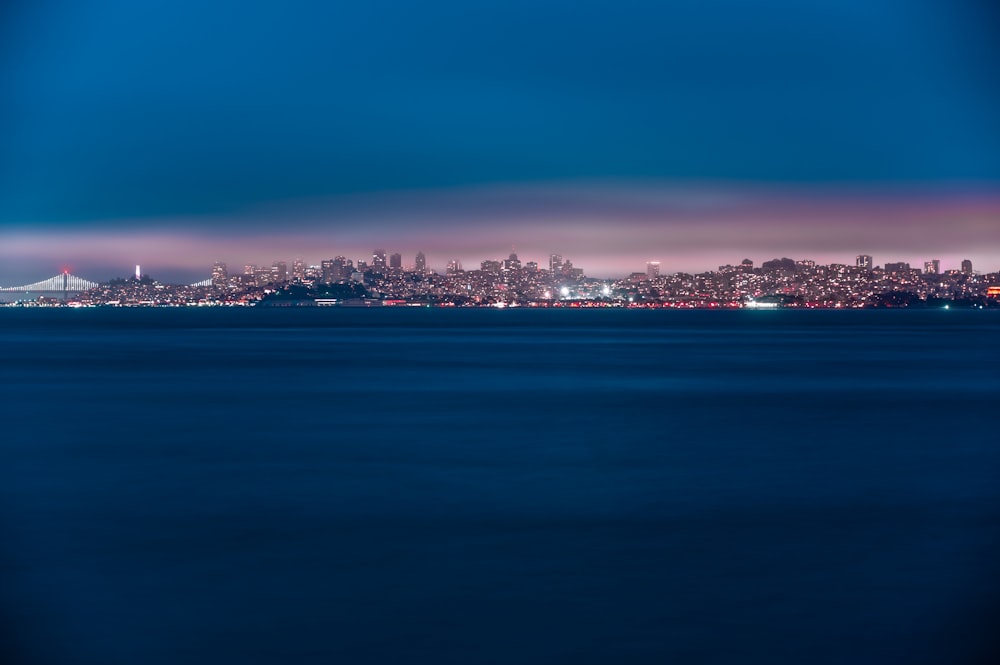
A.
pixel 127 113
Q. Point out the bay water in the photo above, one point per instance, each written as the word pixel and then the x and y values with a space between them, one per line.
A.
pixel 482 486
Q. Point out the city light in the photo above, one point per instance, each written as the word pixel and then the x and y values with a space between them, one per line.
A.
pixel 343 282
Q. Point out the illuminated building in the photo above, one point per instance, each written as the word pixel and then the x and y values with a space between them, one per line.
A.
pixel 864 261
pixel 932 267
pixel 279 272
pixel 967 267
pixel 512 263
pixel 652 269
pixel 220 275
pixel 378 260
pixel 328 275
pixel 420 263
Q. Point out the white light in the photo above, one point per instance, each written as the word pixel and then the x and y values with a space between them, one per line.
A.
pixel 606 290
pixel 564 291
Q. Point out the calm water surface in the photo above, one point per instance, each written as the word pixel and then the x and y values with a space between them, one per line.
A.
pixel 428 486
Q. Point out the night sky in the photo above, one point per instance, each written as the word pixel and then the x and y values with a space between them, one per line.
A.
pixel 696 133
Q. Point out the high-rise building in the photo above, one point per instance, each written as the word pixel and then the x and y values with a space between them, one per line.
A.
pixel 864 261
pixel 396 261
pixel 328 274
pixel 555 263
pixel 932 267
pixel 967 267
pixel 512 263
pixel 340 270
pixel 378 260
pixel 746 265
pixel 262 276
pixel 454 267
pixel 531 266
pixel 420 263
pixel 220 275
pixel 279 272
pixel 897 267
pixel 652 269
pixel 490 266
pixel 298 270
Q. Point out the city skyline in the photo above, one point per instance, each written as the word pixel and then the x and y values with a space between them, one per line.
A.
pixel 419 263
pixel 382 279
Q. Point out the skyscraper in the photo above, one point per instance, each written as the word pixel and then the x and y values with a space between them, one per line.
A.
pixel 865 261
pixel 396 261
pixel 932 267
pixel 298 269
pixel 555 263
pixel 652 269
pixel 328 275
pixel 340 268
pixel 220 275
pixel 279 272
pixel 512 263
pixel 378 260
pixel 967 267
pixel 420 263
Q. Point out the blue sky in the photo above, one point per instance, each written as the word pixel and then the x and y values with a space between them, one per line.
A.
pixel 140 119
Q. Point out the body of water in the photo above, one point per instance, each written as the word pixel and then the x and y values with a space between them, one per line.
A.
pixel 478 487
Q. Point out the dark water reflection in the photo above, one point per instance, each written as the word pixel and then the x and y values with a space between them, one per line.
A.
pixel 499 487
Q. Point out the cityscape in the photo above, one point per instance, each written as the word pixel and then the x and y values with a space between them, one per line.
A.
pixel 385 280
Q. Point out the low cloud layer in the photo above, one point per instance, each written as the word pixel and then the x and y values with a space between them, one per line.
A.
pixel 608 228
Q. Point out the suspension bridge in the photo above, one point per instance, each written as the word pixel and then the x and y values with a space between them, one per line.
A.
pixel 59 286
